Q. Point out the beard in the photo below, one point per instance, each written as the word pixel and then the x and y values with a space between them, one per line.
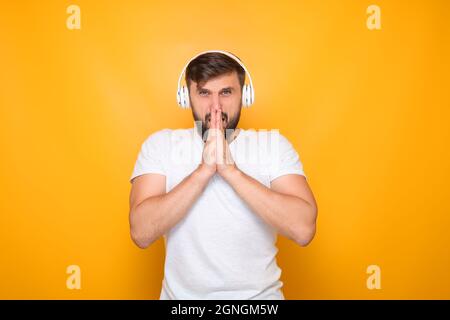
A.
pixel 229 124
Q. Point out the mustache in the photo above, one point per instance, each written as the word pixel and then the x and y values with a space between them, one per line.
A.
pixel 224 117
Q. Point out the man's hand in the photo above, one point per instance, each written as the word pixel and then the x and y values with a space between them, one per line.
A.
pixel 216 153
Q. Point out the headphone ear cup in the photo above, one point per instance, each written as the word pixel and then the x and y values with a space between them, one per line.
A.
pixel 186 97
pixel 182 97
pixel 247 96
pixel 251 94
pixel 244 95
pixel 179 97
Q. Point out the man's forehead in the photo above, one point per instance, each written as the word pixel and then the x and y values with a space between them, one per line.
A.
pixel 221 82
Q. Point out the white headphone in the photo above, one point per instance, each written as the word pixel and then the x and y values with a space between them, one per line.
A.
pixel 248 94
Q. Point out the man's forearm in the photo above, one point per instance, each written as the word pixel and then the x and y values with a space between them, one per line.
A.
pixel 156 215
pixel 291 216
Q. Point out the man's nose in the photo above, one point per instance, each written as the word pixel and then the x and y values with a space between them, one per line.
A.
pixel 216 105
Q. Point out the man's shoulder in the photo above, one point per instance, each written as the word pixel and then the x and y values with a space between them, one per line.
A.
pixel 157 136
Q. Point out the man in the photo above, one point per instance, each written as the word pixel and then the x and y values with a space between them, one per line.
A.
pixel 219 212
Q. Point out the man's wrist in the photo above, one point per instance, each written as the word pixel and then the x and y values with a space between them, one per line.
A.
pixel 230 173
pixel 204 171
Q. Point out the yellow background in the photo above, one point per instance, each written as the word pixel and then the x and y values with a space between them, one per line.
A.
pixel 368 112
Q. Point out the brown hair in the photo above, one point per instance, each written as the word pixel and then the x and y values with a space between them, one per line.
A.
pixel 210 65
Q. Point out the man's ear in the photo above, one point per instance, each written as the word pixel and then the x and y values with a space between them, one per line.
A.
pixel 189 89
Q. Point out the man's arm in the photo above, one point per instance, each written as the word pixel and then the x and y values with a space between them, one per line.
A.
pixel 153 211
pixel 288 206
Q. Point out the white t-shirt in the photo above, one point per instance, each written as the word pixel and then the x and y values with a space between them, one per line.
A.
pixel 220 249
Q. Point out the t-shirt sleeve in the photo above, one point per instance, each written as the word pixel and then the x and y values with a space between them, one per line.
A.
pixel 285 160
pixel 151 155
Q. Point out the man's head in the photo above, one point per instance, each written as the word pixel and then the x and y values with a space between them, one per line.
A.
pixel 214 81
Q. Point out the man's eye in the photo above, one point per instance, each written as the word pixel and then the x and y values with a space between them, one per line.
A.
pixel 203 93
pixel 226 92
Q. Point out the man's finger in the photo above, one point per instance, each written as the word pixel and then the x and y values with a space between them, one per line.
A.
pixel 212 124
pixel 219 120
pixel 213 119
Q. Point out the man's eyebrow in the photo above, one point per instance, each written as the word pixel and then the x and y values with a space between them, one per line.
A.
pixel 202 89
pixel 227 88
pixel 223 89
